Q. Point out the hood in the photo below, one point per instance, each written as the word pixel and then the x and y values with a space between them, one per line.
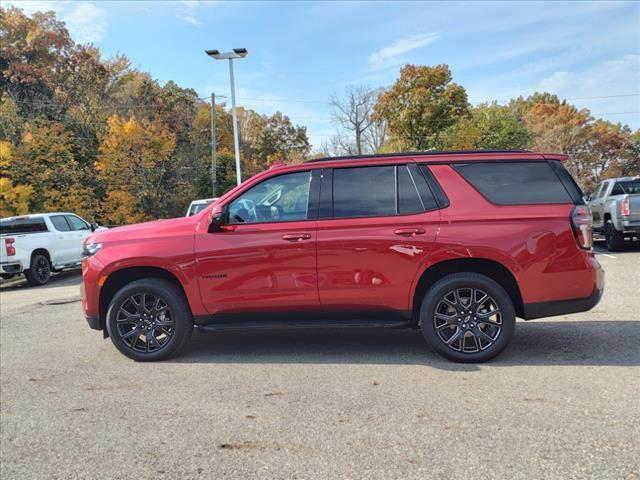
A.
pixel 155 228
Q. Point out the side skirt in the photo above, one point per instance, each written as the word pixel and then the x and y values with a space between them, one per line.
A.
pixel 286 320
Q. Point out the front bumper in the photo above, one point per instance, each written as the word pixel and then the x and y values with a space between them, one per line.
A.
pixel 94 322
pixel 565 307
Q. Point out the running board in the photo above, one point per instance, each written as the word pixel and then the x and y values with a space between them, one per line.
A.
pixel 304 321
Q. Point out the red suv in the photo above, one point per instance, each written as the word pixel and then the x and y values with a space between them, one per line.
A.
pixel 457 244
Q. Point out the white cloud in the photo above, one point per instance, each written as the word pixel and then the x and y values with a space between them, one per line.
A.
pixel 86 22
pixel 191 19
pixel 393 54
pixel 557 81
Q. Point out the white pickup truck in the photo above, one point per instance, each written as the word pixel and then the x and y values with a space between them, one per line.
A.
pixel 38 244
pixel 615 207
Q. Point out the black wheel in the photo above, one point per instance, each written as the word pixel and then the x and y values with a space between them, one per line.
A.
pixel 615 239
pixel 467 317
pixel 39 271
pixel 149 320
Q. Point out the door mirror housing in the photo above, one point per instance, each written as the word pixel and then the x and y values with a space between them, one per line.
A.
pixel 93 226
pixel 216 219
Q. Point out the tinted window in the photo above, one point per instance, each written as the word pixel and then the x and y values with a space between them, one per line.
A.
pixel 59 223
pixel 22 225
pixel 627 186
pixel 364 192
pixel 516 183
pixel 198 207
pixel 409 200
pixel 278 199
pixel 77 223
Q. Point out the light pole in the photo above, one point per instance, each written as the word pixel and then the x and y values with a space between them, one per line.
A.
pixel 236 53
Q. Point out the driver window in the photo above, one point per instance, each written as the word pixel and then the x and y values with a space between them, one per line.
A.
pixel 277 199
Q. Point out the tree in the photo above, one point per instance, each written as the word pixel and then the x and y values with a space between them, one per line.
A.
pixel 491 126
pixel 14 199
pixel 421 105
pixel 134 165
pixel 354 115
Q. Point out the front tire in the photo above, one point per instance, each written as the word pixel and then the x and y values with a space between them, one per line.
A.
pixel 149 320
pixel 39 271
pixel 615 239
pixel 467 317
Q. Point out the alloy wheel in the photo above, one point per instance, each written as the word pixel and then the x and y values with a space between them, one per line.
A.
pixel 42 269
pixel 145 322
pixel 468 320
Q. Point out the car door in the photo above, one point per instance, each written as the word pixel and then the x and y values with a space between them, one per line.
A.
pixel 81 230
pixel 63 239
pixel 264 258
pixel 381 226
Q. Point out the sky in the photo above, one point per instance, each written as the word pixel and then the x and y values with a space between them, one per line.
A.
pixel 302 53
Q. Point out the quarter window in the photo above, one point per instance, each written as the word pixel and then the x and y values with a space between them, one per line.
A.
pixel 277 199
pixel 515 183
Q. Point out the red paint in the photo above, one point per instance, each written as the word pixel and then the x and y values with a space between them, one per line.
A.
pixel 363 263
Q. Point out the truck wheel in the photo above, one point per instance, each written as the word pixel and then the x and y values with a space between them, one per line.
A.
pixel 39 272
pixel 149 320
pixel 615 239
pixel 467 317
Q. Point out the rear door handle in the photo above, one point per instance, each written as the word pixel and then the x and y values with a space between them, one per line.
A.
pixel 409 232
pixel 296 237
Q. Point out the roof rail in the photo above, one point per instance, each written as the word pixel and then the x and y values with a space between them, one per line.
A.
pixel 411 154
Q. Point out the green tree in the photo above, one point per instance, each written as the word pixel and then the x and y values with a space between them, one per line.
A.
pixel 421 105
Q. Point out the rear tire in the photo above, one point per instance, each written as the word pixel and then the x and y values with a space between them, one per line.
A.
pixel 39 271
pixel 467 317
pixel 615 239
pixel 149 320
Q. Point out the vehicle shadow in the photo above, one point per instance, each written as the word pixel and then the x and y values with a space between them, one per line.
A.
pixel 592 343
pixel 60 279
pixel 600 247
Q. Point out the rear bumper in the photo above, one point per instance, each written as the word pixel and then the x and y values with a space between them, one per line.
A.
pixel 11 268
pixel 564 307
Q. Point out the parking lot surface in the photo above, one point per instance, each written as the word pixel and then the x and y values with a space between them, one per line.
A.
pixel 563 401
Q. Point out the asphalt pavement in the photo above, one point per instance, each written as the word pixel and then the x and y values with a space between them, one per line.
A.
pixel 562 402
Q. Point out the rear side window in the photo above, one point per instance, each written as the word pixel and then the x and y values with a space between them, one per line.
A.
pixel 364 192
pixel 626 186
pixel 60 223
pixel 22 225
pixel 515 183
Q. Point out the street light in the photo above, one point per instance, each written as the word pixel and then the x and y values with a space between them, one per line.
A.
pixel 236 53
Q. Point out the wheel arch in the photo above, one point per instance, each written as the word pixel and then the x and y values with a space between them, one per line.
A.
pixel 490 268
pixel 119 278
pixel 41 251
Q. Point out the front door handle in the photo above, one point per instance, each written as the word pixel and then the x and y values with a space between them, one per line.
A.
pixel 409 232
pixel 296 237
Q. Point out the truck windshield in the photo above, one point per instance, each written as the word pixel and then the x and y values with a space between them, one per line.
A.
pixel 626 186
pixel 16 226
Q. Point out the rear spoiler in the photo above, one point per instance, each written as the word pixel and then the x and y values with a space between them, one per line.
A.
pixel 555 156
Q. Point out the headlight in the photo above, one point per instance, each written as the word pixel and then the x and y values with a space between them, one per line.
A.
pixel 89 249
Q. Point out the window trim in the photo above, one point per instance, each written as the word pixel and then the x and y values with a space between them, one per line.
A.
pixel 326 193
pixel 310 207
pixel 517 162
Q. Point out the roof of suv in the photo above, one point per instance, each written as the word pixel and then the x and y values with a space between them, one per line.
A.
pixel 445 155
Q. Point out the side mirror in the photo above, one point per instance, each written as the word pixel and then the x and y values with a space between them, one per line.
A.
pixel 216 220
pixel 586 197
pixel 93 226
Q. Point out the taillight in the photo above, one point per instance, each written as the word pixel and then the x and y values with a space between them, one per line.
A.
pixel 581 224
pixel 8 243
pixel 625 210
